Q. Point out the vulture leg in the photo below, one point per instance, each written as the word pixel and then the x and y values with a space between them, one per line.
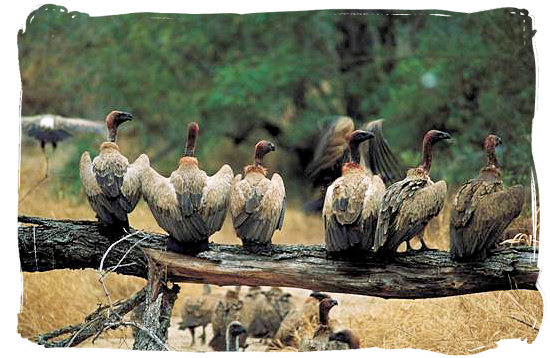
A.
pixel 192 330
pixel 409 247
pixel 203 335
pixel 423 246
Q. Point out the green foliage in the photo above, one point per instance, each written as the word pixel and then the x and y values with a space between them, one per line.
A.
pixel 280 76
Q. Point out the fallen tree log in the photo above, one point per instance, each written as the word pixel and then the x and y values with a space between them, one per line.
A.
pixel 49 244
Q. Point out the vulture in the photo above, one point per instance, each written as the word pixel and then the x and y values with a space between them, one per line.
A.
pixel 408 205
pixel 49 128
pixel 227 310
pixel 332 151
pixel 112 185
pixel 235 330
pixel 197 312
pixel 324 329
pixel 482 209
pixel 351 203
pixel 295 322
pixel 189 205
pixel 257 203
pixel 344 339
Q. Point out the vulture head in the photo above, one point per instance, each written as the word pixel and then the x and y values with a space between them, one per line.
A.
pixel 354 139
pixel 430 138
pixel 261 149
pixel 319 295
pixel 114 119
pixel 234 330
pixel 192 135
pixel 491 142
pixel 345 336
pixel 324 308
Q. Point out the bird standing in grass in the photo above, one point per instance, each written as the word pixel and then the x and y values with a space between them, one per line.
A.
pixel 257 203
pixel 408 205
pixel 112 185
pixel 235 330
pixel 197 312
pixel 482 209
pixel 344 339
pixel 227 310
pixel 189 205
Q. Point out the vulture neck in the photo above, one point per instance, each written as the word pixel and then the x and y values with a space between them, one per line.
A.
pixel 492 160
pixel 112 134
pixel 109 146
pixel 258 169
pixel 355 159
pixel 426 155
pixel 323 315
pixel 188 162
pixel 190 147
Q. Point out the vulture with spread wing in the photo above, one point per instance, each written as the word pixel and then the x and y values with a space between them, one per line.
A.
pixel 408 205
pixel 351 203
pixel 332 151
pixel 257 203
pixel 482 209
pixel 111 183
pixel 189 205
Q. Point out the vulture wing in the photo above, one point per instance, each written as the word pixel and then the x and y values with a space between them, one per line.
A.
pixel 160 195
pixel 330 153
pixel 51 128
pixel 378 156
pixel 109 168
pixel 131 186
pixel 99 202
pixel 258 210
pixel 491 214
pixel 406 208
pixel 215 198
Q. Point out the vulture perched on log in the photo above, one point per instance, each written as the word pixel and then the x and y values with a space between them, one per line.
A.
pixel 226 311
pixel 408 205
pixel 344 339
pixel 293 325
pixel 482 209
pixel 189 205
pixel 332 151
pixel 257 203
pixel 111 183
pixel 197 312
pixel 351 203
pixel 49 128
pixel 235 330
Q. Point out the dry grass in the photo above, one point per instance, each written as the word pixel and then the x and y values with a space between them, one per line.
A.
pixel 454 325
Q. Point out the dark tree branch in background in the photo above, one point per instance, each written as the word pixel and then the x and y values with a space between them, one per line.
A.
pixel 58 244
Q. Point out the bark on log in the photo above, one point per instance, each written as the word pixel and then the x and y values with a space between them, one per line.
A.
pixel 57 244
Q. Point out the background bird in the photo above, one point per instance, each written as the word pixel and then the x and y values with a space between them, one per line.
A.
pixel 344 339
pixel 320 338
pixel 197 312
pixel 351 203
pixel 227 310
pixel 482 209
pixel 112 185
pixel 189 205
pixel 408 205
pixel 235 330
pixel 332 152
pixel 258 203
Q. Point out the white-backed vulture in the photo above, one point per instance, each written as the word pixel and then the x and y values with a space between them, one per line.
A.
pixel 344 339
pixel 482 209
pixel 332 151
pixel 257 203
pixel 227 310
pixel 293 325
pixel 189 205
pixel 235 330
pixel 351 203
pixel 324 329
pixel 197 312
pixel 112 185
pixel 408 205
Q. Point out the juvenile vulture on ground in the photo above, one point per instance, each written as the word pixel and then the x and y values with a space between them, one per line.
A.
pixel 351 204
pixel 227 310
pixel 295 322
pixel 409 204
pixel 49 128
pixel 324 329
pixel 189 205
pixel 112 185
pixel 235 330
pixel 197 312
pixel 332 151
pixel 344 339
pixel 257 203
pixel 482 209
